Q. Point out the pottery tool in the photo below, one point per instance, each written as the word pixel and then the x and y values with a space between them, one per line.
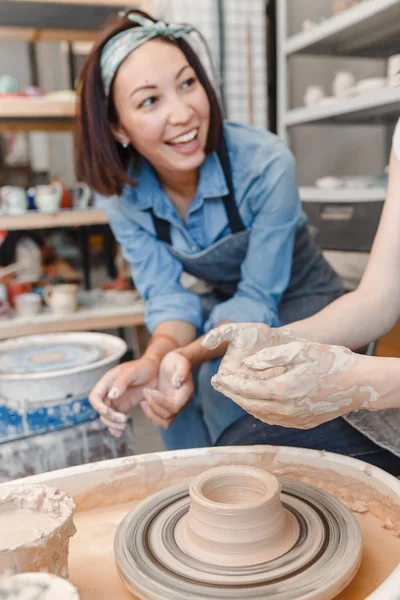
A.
pixel 237 532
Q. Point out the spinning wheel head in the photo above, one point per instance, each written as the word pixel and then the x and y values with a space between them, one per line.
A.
pixel 238 528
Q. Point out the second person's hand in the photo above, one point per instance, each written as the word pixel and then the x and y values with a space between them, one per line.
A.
pixel 120 390
pixel 174 390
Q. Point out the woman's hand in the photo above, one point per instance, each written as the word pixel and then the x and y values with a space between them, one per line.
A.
pixel 120 390
pixel 245 339
pixel 174 390
pixel 296 384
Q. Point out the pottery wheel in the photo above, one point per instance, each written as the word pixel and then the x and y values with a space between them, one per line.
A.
pixel 45 357
pixel 322 561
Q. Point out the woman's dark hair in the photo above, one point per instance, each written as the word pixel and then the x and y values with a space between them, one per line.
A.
pixel 99 160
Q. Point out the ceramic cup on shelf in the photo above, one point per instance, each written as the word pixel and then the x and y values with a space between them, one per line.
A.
pixel 48 197
pixel 343 84
pixel 62 299
pixel 8 84
pixel 15 288
pixel 81 194
pixel 313 95
pixel 28 304
pixel 13 200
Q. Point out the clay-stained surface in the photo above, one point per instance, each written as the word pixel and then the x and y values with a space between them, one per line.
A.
pixel 93 571
pixel 110 489
pixel 91 562
pixel 36 523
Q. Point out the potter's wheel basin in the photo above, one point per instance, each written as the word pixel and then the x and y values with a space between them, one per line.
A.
pixel 120 483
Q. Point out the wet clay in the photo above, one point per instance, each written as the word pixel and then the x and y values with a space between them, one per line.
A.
pixel 236 518
pixel 328 546
pixel 285 381
pixel 93 571
pixel 23 526
pixel 37 586
pixel 36 523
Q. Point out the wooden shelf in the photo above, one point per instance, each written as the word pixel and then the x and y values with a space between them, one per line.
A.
pixel 64 218
pixel 112 3
pixel 85 319
pixel 342 195
pixel 378 106
pixel 371 28
pixel 29 114
pixel 39 34
pixel 21 108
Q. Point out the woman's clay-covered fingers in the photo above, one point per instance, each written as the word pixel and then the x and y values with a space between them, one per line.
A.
pixel 274 413
pixel 100 391
pixel 241 336
pixel 282 356
pixel 284 414
pixel 124 378
pixel 100 401
pixel 118 433
pixel 182 373
pixel 113 424
pixel 158 403
pixel 263 375
pixel 154 418
pixel 174 404
pixel 277 390
pixel 274 402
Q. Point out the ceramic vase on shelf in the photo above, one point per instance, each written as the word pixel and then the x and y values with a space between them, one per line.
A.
pixel 47 197
pixel 313 95
pixel 62 299
pixel 13 200
pixel 343 84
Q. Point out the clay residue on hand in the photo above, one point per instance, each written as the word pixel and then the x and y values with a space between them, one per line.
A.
pixel 294 384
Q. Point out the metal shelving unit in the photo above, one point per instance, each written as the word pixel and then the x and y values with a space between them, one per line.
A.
pixel 377 106
pixel 371 28
pixel 368 29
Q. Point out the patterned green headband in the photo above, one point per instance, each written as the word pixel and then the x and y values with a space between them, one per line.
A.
pixel 118 48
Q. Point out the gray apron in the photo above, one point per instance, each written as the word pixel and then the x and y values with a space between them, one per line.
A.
pixel 313 283
pixel 382 427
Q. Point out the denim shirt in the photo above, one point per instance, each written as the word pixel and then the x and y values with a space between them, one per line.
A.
pixel 264 181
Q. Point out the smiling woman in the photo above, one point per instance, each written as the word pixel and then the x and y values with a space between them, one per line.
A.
pixel 186 191
pixel 129 103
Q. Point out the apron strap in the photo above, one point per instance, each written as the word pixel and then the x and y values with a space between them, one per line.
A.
pixel 235 221
pixel 163 227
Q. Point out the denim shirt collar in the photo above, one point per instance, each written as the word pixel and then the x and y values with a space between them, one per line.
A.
pixel 149 193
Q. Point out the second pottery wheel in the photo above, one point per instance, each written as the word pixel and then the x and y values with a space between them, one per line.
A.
pixel 245 537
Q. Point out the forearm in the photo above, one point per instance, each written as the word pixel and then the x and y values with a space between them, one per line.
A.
pixel 383 376
pixel 168 336
pixel 198 354
pixel 353 320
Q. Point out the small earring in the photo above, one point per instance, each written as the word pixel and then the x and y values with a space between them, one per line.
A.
pixel 124 144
